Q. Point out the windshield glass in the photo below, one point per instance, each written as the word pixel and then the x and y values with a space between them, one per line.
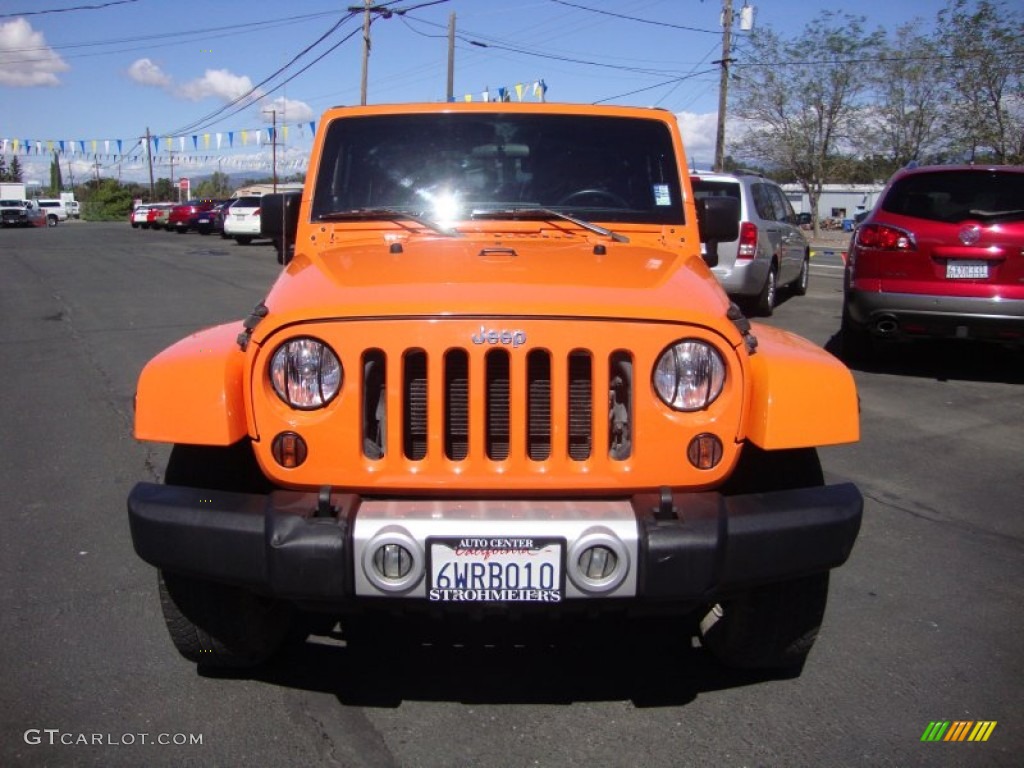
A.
pixel 445 167
pixel 954 196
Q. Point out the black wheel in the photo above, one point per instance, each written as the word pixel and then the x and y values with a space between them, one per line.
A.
pixel 212 624
pixel 243 239
pixel 222 468
pixel 799 287
pixel 216 625
pixel 774 625
pixel 769 627
pixel 766 301
pixel 51 221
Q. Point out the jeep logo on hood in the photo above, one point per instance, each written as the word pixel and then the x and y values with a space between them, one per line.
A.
pixel 513 338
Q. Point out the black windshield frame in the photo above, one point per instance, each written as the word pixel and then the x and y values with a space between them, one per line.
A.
pixel 612 169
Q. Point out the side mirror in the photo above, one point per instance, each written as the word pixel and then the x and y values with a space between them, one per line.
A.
pixel 718 220
pixel 279 220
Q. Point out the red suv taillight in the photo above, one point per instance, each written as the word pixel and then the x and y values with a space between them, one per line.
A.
pixel 885 238
pixel 748 241
pixel 256 212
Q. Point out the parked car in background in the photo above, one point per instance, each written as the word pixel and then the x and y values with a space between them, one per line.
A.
pixel 74 209
pixel 23 213
pixel 211 220
pixel 242 221
pixel 182 216
pixel 770 252
pixel 941 255
pixel 53 208
pixel 158 215
pixel 139 217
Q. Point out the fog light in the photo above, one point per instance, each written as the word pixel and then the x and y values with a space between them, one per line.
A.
pixel 705 451
pixel 598 563
pixel 392 562
pixel 289 450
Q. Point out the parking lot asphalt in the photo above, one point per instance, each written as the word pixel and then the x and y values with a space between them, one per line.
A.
pixel 923 625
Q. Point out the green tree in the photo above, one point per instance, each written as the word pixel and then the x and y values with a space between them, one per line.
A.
pixel 56 182
pixel 801 98
pixel 217 187
pixel 13 170
pixel 984 47
pixel 108 200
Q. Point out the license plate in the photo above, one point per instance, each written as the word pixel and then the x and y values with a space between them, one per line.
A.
pixel 482 569
pixel 204 221
pixel 966 269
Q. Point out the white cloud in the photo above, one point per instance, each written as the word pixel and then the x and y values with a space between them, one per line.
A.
pixel 146 72
pixel 288 111
pixel 25 58
pixel 218 83
pixel 699 135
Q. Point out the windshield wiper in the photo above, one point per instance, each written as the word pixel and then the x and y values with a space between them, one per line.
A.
pixel 390 214
pixel 548 213
pixel 997 215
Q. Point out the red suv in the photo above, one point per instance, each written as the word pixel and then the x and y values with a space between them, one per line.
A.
pixel 183 215
pixel 941 255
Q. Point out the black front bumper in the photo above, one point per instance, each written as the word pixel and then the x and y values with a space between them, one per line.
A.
pixel 693 546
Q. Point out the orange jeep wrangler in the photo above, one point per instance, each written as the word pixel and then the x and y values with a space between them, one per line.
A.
pixel 497 375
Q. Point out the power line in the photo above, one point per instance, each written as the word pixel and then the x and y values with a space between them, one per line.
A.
pixel 68 10
pixel 249 96
pixel 657 23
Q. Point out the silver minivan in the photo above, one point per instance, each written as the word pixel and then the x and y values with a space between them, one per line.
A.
pixel 771 250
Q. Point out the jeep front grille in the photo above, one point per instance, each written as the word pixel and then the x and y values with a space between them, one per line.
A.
pixel 508 401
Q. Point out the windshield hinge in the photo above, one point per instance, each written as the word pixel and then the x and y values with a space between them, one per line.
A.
pixel 258 313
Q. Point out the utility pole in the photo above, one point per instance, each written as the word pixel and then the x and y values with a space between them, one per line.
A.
pixel 149 158
pixel 451 57
pixel 368 8
pixel 723 83
pixel 273 143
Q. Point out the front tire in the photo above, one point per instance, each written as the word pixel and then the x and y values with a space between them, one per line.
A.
pixel 220 626
pixel 768 627
pixel 772 626
pixel 213 624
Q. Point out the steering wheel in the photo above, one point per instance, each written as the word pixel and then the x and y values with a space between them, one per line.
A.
pixel 617 202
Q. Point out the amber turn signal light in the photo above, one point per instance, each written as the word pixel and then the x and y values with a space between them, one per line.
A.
pixel 289 450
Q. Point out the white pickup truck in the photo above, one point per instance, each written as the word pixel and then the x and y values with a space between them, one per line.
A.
pixel 53 207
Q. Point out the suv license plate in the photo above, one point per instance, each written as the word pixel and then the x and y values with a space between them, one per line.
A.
pixel 959 269
pixel 519 569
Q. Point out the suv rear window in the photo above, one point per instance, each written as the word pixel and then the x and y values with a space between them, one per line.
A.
pixel 952 196
pixel 703 188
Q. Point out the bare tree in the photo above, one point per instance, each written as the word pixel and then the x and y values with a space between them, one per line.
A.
pixel 800 99
pixel 904 123
pixel 984 45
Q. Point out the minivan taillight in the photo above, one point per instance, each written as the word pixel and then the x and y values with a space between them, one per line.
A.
pixel 256 212
pixel 748 241
pixel 885 238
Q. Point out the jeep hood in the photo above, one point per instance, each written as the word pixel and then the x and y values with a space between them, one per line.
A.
pixel 520 277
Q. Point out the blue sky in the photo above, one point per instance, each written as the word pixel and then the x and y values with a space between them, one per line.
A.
pixel 88 77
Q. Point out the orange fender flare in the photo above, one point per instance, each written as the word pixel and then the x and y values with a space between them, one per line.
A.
pixel 192 392
pixel 801 396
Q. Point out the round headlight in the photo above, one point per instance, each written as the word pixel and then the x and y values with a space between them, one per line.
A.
pixel 305 373
pixel 689 375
